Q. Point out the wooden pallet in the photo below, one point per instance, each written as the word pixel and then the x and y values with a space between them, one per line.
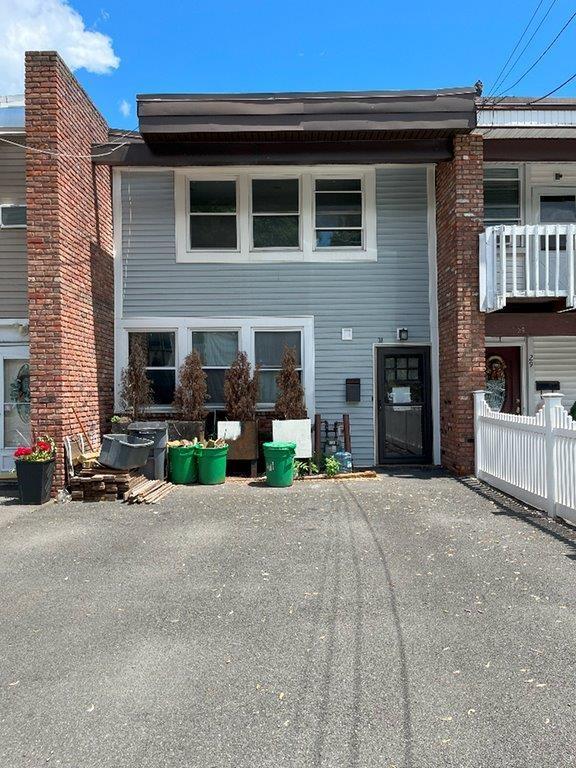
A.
pixel 103 484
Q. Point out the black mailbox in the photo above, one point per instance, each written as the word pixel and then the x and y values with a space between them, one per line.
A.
pixel 548 386
pixel 352 390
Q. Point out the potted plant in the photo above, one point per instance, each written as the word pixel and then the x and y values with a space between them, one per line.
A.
pixel 240 431
pixel 292 423
pixel 135 386
pixel 35 470
pixel 189 400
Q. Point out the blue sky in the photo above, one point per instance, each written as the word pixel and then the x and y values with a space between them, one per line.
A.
pixel 260 45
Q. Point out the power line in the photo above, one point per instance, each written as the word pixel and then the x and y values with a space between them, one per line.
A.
pixel 539 59
pixel 67 155
pixel 523 51
pixel 526 28
pixel 569 80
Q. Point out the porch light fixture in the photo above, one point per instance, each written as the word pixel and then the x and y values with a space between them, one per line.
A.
pixel 402 334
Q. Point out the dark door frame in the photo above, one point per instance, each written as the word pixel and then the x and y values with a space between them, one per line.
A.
pixel 381 350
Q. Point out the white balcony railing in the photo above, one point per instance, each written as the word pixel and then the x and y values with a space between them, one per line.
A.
pixel 526 262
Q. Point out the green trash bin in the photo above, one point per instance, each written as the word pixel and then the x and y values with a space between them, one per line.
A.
pixel 212 465
pixel 183 464
pixel 279 464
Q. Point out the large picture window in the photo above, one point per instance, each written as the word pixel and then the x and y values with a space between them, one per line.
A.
pixel 243 215
pixel 269 347
pixel 217 350
pixel 218 340
pixel 160 349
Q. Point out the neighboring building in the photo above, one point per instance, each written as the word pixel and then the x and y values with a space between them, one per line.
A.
pixel 14 370
pixel 530 217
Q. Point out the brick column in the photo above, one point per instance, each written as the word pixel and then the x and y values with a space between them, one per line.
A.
pixel 70 265
pixel 459 220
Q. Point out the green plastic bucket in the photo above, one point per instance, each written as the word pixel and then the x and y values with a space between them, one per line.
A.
pixel 279 464
pixel 183 464
pixel 212 465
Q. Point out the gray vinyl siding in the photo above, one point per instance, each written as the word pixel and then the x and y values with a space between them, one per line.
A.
pixel 13 268
pixel 373 298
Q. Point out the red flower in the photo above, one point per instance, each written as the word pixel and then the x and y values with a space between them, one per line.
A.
pixel 43 446
pixel 22 451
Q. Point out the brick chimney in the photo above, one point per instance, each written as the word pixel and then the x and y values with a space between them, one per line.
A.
pixel 70 262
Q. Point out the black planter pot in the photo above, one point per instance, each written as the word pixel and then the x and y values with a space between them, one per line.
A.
pixel 35 480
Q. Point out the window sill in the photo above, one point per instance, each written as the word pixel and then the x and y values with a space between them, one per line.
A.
pixel 274 257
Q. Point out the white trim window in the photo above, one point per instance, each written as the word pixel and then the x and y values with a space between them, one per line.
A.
pixel 212 210
pixel 269 346
pixel 286 214
pixel 275 214
pixel 12 216
pixel 217 349
pixel 169 340
pixel 338 213
pixel 160 349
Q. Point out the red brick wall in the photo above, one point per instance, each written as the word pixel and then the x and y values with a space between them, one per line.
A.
pixel 70 267
pixel 459 215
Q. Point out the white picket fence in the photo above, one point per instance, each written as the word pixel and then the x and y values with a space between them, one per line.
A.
pixel 530 457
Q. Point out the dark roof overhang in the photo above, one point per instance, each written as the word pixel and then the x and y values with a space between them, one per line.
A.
pixel 184 115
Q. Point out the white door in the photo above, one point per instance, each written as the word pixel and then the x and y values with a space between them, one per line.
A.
pixel 15 403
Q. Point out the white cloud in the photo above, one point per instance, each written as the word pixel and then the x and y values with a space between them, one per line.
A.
pixel 125 107
pixel 47 25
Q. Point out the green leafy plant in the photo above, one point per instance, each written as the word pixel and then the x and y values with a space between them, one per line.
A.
pixel 192 391
pixel 331 466
pixel 302 468
pixel 241 388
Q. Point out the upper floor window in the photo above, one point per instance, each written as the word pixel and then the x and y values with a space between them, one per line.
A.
pixel 12 216
pixel 501 196
pixel 338 213
pixel 275 213
pixel 213 215
pixel 289 214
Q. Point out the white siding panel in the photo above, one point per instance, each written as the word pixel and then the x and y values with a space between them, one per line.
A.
pixel 553 359
pixel 373 298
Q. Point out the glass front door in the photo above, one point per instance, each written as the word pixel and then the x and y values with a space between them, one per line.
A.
pixel 15 401
pixel 404 409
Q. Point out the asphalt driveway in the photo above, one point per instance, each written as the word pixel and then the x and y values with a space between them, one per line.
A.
pixel 406 622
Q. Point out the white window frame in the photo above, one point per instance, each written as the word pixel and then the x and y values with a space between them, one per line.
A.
pixel 12 205
pixel 269 406
pixel 246 253
pixel 155 408
pixel 245 326
pixel 273 177
pixel 206 177
pixel 209 404
pixel 337 177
